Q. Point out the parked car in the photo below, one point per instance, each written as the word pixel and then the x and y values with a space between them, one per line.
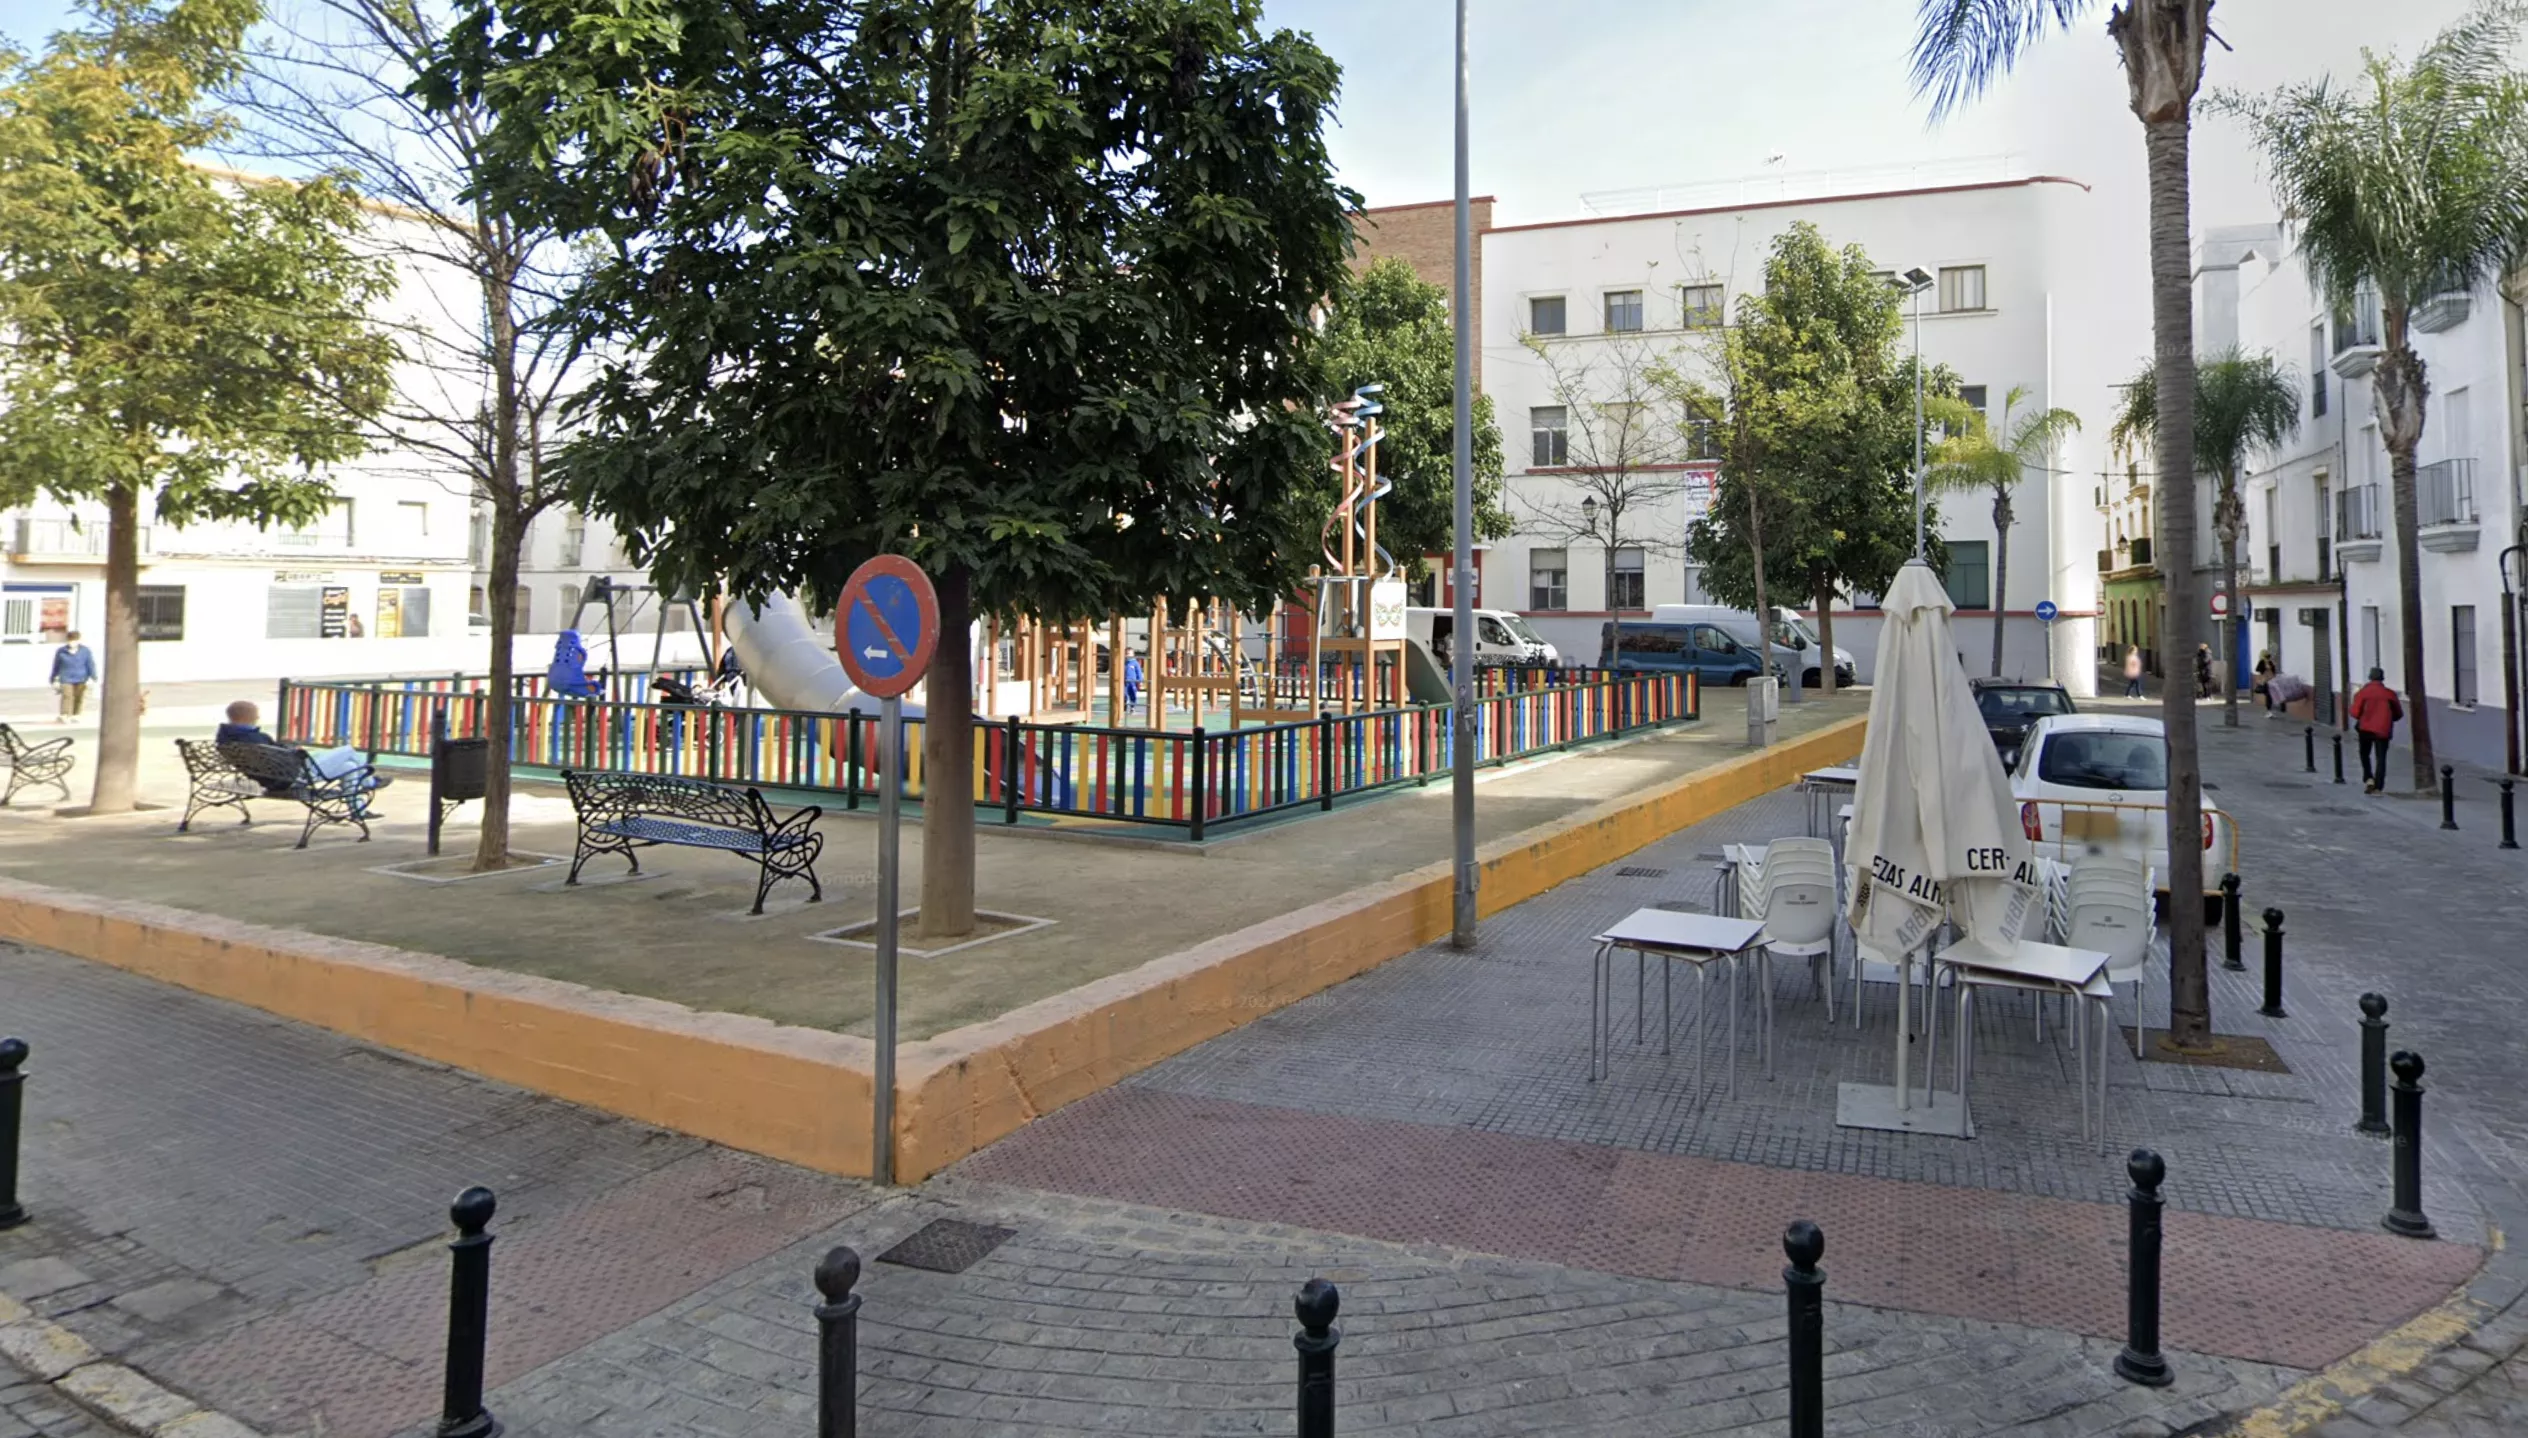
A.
pixel 1502 638
pixel 1796 647
pixel 1703 649
pixel 2009 706
pixel 2099 783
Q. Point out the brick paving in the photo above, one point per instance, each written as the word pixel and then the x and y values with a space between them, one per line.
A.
pixel 32 1410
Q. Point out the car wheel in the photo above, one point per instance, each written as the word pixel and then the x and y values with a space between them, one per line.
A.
pixel 1809 680
pixel 1738 680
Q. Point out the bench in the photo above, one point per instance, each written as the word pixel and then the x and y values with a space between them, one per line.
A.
pixel 279 772
pixel 217 784
pixel 28 764
pixel 622 813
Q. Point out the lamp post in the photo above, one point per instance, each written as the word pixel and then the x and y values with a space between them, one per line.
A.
pixel 1462 681
pixel 1913 282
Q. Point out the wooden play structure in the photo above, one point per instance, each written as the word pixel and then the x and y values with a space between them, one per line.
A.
pixel 1044 673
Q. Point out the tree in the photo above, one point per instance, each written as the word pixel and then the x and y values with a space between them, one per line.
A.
pixel 173 335
pixel 332 88
pixel 2243 405
pixel 1390 328
pixel 2411 184
pixel 1619 452
pixel 1974 460
pixel 1022 292
pixel 1961 49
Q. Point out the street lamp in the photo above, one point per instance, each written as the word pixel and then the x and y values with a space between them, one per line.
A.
pixel 1462 560
pixel 1913 282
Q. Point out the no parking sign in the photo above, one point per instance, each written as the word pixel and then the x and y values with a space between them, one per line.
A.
pixel 889 626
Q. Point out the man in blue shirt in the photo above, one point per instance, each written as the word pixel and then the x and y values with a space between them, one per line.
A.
pixel 74 669
pixel 245 726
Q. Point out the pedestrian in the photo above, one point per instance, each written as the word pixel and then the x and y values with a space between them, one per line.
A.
pixel 2375 712
pixel 2203 671
pixel 2132 671
pixel 74 669
pixel 1132 682
pixel 245 726
pixel 2265 670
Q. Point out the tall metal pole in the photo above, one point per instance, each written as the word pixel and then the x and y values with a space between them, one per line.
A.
pixel 1462 652
pixel 890 836
pixel 1918 421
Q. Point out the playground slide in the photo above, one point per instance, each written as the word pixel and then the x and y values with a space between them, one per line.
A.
pixel 1424 679
pixel 791 665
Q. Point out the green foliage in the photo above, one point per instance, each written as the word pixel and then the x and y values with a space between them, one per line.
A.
pixel 174 334
pixel 1389 327
pixel 1022 292
pixel 2244 404
pixel 1963 47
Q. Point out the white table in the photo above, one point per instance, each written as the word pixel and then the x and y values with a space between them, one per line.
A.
pixel 1698 939
pixel 1822 786
pixel 2077 974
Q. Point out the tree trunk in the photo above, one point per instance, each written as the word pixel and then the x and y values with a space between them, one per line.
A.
pixel 117 787
pixel 2172 325
pixel 1826 636
pixel 2225 523
pixel 2397 393
pixel 948 767
pixel 509 528
pixel 2002 516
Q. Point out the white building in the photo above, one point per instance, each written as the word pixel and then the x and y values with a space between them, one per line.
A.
pixel 565 551
pixel 1603 295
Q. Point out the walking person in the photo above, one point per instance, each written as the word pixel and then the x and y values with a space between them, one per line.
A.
pixel 2132 671
pixel 74 669
pixel 2203 671
pixel 2266 668
pixel 2375 712
pixel 1132 682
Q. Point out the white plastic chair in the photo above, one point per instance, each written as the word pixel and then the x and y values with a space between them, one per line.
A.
pixel 2111 912
pixel 1797 900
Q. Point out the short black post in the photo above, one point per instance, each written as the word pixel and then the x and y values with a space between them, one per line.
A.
pixel 438 766
pixel 1325 762
pixel 838 1346
pixel 2510 834
pixel 1009 771
pixel 1202 789
pixel 2405 1216
pixel 851 760
pixel 1317 1304
pixel 2273 966
pixel 1805 1243
pixel 2309 738
pixel 12 1106
pixel 2339 756
pixel 2229 923
pixel 2374 1065
pixel 2448 796
pixel 469 1318
pixel 2141 1362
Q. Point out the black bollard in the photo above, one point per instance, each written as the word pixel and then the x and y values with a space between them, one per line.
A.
pixel 2448 797
pixel 838 1346
pixel 2374 1065
pixel 2141 1362
pixel 1316 1306
pixel 2229 923
pixel 2339 756
pixel 2510 835
pixel 462 1415
pixel 1805 1243
pixel 2310 736
pixel 12 1106
pixel 2405 1216
pixel 2273 966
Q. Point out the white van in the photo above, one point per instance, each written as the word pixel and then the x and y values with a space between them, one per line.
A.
pixel 1795 645
pixel 1502 638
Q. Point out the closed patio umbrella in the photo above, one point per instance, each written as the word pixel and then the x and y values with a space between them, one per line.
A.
pixel 1935 832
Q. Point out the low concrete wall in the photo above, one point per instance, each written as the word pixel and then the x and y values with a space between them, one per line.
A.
pixel 804 1095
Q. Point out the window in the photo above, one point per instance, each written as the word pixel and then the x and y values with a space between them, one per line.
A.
pixel 2369 639
pixel 570 607
pixel 475 607
pixel 1624 580
pixel 1545 315
pixel 294 611
pixel 1550 426
pixel 161 611
pixel 2104 759
pixel 2462 655
pixel 403 611
pixel 1703 305
pixel 2273 537
pixel 330 531
pixel 478 542
pixel 574 539
pixel 1712 639
pixel 2325 539
pixel 1702 437
pixel 1623 311
pixel 1975 397
pixel 37 613
pixel 522 610
pixel 1961 288
pixel 1970 574
pixel 2317 370
pixel 1548 580
pixel 1651 638
pixel 414 517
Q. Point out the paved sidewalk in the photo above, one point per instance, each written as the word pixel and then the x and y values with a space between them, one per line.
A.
pixel 29 1409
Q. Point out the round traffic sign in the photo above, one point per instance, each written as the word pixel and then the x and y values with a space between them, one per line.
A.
pixel 2045 611
pixel 2220 606
pixel 888 626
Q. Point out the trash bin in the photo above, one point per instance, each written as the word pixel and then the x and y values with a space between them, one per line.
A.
pixel 461 768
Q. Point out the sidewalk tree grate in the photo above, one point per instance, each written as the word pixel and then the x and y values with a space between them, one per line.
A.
pixel 1635 871
pixel 947 1245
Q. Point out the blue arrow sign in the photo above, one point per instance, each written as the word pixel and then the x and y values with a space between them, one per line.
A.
pixel 885 626
pixel 2045 611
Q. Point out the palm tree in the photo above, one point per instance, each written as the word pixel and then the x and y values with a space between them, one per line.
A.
pixel 2412 183
pixel 2243 405
pixel 1974 460
pixel 1961 49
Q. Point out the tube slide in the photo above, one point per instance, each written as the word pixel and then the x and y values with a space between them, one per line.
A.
pixel 792 665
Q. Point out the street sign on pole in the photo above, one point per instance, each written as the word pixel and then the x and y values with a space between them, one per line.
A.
pixel 2046 614
pixel 885 632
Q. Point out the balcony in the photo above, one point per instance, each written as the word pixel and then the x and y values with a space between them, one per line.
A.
pixel 2444 311
pixel 2357 337
pixel 2444 493
pixel 2358 532
pixel 62 541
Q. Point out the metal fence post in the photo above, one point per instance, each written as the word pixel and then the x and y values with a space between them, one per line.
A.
pixel 2141 1361
pixel 2405 1218
pixel 1317 1304
pixel 1201 797
pixel 2273 966
pixel 2448 796
pixel 1325 762
pixel 12 1109
pixel 2229 923
pixel 469 1317
pixel 851 760
pixel 1009 771
pixel 2374 1065
pixel 838 1345
pixel 1805 1283
pixel 2310 735
pixel 2339 756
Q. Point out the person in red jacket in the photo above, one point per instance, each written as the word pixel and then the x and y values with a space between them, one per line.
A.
pixel 2375 711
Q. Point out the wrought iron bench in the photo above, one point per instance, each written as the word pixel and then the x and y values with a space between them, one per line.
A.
pixel 217 784
pixel 30 764
pixel 622 813
pixel 285 773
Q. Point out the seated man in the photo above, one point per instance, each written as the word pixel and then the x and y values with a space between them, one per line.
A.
pixel 244 726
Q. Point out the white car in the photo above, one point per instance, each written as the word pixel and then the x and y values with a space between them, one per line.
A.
pixel 2099 782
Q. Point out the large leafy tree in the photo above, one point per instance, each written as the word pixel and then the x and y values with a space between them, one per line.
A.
pixel 1022 292
pixel 1978 459
pixel 1389 327
pixel 1961 49
pixel 2244 405
pixel 2412 182
pixel 176 338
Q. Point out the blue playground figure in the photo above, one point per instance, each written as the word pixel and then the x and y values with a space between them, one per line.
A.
pixel 568 674
pixel 1132 682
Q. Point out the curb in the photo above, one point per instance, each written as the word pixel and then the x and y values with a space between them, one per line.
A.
pixel 119 1395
